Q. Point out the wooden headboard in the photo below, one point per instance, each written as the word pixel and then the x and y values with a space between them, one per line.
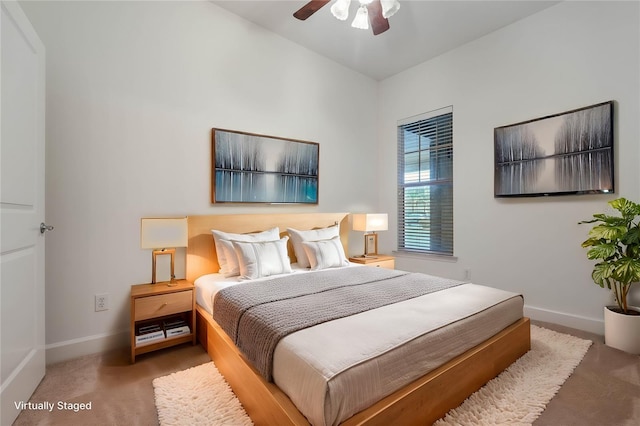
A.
pixel 201 251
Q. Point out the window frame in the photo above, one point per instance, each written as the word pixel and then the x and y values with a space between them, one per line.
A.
pixel 438 240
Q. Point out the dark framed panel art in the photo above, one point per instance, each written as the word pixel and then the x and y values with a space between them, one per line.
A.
pixel 566 153
pixel 250 168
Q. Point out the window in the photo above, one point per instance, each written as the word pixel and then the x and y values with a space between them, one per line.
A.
pixel 425 183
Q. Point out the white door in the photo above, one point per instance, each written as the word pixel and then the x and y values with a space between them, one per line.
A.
pixel 22 339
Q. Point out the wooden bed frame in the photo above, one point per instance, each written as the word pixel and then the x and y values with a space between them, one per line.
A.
pixel 423 401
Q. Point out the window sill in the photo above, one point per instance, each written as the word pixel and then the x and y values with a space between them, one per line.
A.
pixel 425 256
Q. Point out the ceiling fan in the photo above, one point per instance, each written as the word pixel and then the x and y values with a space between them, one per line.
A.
pixel 374 11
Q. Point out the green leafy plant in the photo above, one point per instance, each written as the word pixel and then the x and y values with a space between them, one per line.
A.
pixel 615 243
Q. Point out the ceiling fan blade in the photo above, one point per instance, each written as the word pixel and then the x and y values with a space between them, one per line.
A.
pixel 379 23
pixel 310 8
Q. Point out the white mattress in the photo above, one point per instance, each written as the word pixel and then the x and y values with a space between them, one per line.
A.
pixel 208 285
pixel 334 370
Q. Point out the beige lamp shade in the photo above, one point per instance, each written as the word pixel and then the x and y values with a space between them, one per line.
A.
pixel 370 222
pixel 158 233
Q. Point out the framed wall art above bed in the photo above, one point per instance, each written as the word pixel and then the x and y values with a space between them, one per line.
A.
pixel 251 168
pixel 561 154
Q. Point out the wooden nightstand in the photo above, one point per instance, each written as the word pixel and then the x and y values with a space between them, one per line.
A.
pixel 159 315
pixel 380 261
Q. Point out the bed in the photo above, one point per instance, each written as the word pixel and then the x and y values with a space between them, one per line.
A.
pixel 423 399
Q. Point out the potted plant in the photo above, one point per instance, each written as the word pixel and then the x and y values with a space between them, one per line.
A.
pixel 615 243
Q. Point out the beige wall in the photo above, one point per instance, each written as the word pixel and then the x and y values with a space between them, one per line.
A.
pixel 569 56
pixel 133 90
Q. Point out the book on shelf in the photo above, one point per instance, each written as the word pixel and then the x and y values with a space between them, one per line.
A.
pixel 150 337
pixel 178 331
pixel 150 328
pixel 176 327
pixel 174 322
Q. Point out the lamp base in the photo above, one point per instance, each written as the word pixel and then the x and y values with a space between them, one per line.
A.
pixel 159 252
pixel 370 245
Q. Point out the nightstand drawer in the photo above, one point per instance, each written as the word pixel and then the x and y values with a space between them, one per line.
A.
pixel 389 264
pixel 378 261
pixel 163 304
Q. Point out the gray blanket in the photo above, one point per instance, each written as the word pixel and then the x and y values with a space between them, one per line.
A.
pixel 256 315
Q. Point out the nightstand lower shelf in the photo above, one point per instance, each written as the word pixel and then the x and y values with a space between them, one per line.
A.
pixel 166 343
pixel 161 315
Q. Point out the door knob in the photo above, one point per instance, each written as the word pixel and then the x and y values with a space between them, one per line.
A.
pixel 44 227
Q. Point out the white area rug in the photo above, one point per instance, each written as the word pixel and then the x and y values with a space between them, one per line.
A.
pixel 197 396
pixel 517 396
pixel 520 393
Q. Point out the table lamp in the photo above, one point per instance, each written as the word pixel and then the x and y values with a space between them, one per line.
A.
pixel 369 223
pixel 163 235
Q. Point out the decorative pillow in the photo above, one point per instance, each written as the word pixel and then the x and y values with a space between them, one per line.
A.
pixel 233 265
pixel 262 259
pixel 268 235
pixel 297 237
pixel 325 253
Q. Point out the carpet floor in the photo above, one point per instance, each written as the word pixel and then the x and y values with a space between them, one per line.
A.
pixel 604 389
pixel 517 396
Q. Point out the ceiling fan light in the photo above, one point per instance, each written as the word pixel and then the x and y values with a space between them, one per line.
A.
pixel 389 7
pixel 361 20
pixel 340 9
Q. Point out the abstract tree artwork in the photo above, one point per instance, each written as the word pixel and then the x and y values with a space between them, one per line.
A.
pixel 250 168
pixel 566 153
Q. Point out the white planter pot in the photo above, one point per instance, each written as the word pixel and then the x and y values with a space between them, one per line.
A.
pixel 622 331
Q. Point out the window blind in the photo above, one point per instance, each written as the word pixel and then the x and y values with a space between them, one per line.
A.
pixel 425 183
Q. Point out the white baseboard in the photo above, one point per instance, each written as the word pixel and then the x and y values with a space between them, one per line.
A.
pixel 592 325
pixel 63 351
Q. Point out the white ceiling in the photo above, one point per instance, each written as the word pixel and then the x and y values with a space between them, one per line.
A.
pixel 421 30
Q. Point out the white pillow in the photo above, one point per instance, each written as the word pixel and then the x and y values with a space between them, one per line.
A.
pixel 262 259
pixel 268 235
pixel 325 253
pixel 297 237
pixel 232 268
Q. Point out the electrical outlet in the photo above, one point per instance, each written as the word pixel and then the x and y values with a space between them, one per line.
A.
pixel 102 302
